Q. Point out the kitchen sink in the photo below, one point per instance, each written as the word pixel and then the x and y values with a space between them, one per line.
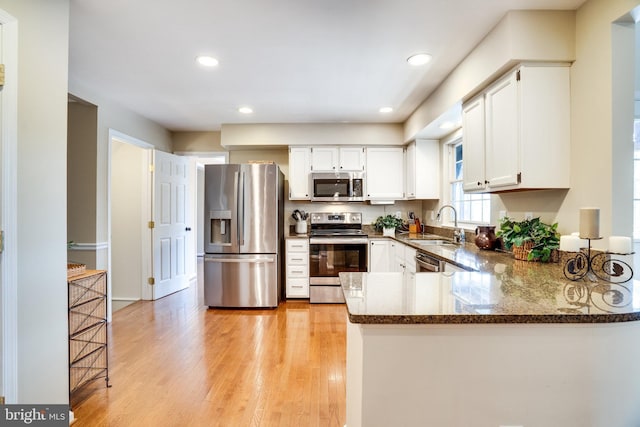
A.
pixel 433 242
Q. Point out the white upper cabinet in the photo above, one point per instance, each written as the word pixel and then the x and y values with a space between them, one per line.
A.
pixel 516 134
pixel 352 158
pixel 385 174
pixel 473 137
pixel 299 169
pixel 324 159
pixel 423 169
pixel 501 118
pixel 332 159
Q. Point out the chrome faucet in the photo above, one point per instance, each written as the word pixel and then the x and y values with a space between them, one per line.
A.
pixel 458 234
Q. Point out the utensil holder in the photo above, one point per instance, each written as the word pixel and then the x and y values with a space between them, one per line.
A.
pixel 301 227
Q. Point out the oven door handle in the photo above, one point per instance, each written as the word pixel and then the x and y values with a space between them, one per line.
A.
pixel 338 241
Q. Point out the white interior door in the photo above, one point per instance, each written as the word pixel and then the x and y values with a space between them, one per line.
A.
pixel 170 218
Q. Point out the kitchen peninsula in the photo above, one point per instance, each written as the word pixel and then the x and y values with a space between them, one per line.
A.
pixel 513 344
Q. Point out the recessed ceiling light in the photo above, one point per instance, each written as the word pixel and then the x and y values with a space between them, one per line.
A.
pixel 419 59
pixel 245 110
pixel 385 110
pixel 447 125
pixel 207 61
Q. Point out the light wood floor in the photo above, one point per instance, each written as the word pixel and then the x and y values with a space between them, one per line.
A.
pixel 174 362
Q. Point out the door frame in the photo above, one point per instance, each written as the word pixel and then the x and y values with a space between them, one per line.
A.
pixel 118 136
pixel 198 160
pixel 8 203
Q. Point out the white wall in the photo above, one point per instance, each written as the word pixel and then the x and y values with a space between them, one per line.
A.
pixel 238 136
pixel 116 117
pixel 592 140
pixel 41 208
pixel 520 35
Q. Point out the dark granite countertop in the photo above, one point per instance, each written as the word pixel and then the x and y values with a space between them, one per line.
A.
pixel 497 289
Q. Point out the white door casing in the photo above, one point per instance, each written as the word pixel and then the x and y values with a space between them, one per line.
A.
pixel 145 245
pixel 170 226
pixel 8 214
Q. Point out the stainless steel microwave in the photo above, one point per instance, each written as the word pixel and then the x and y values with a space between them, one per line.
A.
pixel 337 187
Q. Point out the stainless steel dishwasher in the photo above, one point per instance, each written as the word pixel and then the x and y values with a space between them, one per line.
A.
pixel 425 262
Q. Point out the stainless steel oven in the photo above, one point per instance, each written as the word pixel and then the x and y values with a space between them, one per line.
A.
pixel 336 244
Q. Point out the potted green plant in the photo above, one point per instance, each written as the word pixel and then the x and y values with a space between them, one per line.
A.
pixel 387 224
pixel 530 239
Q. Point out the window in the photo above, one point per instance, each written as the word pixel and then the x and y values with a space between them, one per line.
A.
pixel 636 179
pixel 472 208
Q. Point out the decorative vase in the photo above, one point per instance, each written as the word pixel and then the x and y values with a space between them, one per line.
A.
pixel 391 231
pixel 486 237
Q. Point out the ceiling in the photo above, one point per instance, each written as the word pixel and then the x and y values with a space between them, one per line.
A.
pixel 292 61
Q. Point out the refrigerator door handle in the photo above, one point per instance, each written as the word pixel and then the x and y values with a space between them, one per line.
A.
pixel 257 260
pixel 241 222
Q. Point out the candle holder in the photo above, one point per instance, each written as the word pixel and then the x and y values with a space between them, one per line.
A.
pixel 599 266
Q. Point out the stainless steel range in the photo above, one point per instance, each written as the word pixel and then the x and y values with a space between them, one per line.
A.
pixel 336 244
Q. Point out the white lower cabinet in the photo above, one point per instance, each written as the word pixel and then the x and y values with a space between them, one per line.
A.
pixel 387 255
pixel 409 259
pixel 405 258
pixel 379 259
pixel 451 268
pixel 297 268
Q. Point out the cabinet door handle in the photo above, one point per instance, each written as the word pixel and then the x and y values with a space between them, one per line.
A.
pixel 297 259
pixel 479 183
pixel 486 182
pixel 297 286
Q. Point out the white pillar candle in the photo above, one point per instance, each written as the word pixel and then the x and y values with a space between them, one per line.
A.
pixel 590 223
pixel 583 242
pixel 570 243
pixel 620 244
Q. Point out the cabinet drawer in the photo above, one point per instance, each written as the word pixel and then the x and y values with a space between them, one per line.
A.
pixel 297 288
pixel 297 245
pixel 299 271
pixel 297 258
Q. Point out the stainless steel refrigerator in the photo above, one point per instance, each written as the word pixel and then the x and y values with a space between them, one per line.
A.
pixel 243 235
